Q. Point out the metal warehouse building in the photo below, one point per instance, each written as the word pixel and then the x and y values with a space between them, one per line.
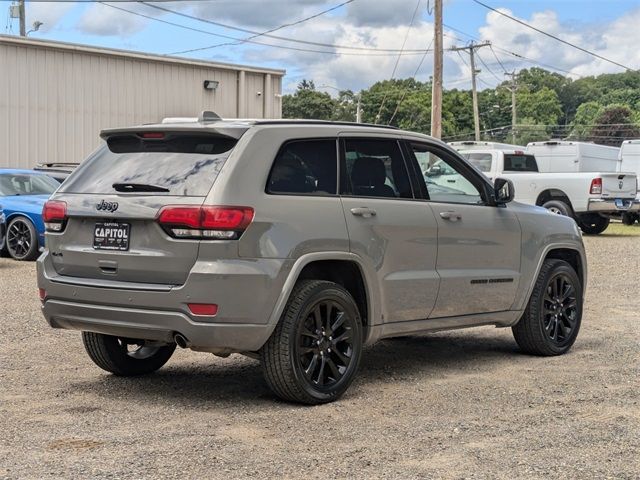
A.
pixel 56 97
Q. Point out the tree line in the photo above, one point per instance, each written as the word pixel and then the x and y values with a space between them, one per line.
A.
pixel 603 109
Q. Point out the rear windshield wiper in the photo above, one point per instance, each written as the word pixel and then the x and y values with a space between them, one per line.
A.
pixel 138 187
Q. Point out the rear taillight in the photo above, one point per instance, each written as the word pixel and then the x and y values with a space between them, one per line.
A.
pixel 207 222
pixel 54 215
pixel 596 186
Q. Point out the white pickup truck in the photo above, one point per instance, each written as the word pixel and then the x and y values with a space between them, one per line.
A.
pixel 630 162
pixel 591 198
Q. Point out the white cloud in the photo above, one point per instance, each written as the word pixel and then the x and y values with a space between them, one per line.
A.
pixel 103 20
pixel 50 14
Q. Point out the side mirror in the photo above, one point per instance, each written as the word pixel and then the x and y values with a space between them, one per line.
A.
pixel 504 190
pixel 434 171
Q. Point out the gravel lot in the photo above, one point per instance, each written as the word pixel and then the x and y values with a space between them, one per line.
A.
pixel 463 404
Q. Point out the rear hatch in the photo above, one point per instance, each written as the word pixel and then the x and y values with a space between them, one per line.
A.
pixel 113 200
pixel 618 185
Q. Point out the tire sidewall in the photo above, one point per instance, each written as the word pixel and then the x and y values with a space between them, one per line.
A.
pixel 32 253
pixel 344 299
pixel 566 269
pixel 563 207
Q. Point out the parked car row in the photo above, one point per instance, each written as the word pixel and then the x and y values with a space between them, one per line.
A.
pixel 590 183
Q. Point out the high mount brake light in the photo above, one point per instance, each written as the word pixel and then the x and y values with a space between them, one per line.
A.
pixel 207 222
pixel 596 186
pixel 54 215
pixel 152 135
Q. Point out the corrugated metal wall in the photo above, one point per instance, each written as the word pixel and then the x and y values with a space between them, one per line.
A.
pixel 54 100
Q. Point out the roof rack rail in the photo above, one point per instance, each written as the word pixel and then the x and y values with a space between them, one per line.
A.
pixel 322 122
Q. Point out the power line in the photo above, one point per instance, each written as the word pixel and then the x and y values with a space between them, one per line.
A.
pixel 285 25
pixel 514 54
pixel 404 94
pixel 285 47
pixel 276 37
pixel 553 36
pixel 395 67
pixel 488 69
pixel 504 69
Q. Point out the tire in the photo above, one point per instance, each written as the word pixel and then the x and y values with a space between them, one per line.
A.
pixel 593 224
pixel 296 366
pixel 22 239
pixel 114 355
pixel 559 208
pixel 548 327
pixel 628 218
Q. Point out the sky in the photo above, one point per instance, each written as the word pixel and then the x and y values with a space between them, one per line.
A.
pixel 608 28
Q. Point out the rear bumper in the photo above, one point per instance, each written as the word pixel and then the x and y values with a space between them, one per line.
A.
pixel 245 290
pixel 611 205
pixel 155 325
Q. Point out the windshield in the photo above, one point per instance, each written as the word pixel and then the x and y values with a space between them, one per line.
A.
pixel 181 165
pixel 26 184
pixel 482 161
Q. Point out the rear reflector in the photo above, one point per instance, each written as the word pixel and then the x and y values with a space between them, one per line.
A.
pixel 205 309
pixel 54 215
pixel 207 222
pixel 42 293
pixel 596 186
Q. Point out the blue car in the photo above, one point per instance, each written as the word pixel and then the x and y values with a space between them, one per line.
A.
pixel 22 196
pixel 3 229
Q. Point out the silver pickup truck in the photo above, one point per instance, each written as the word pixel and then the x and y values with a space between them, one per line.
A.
pixel 297 243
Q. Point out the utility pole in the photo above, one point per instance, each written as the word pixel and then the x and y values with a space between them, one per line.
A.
pixel 474 90
pixel 23 26
pixel 514 111
pixel 436 95
pixel 359 109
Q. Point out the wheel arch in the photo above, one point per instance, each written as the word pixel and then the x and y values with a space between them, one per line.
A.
pixel 553 194
pixel 570 253
pixel 344 268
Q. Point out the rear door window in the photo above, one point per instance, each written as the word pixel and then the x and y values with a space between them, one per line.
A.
pixel 184 164
pixel 520 163
pixel 305 167
pixel 375 168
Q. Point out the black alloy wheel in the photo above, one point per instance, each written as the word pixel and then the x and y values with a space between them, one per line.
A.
pixel 551 321
pixel 314 352
pixel 22 239
pixel 560 310
pixel 324 344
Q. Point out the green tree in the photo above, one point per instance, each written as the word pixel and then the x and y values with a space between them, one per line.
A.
pixel 614 125
pixel 584 120
pixel 309 103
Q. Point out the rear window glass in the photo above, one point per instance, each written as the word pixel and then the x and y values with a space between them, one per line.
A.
pixel 482 161
pixel 305 167
pixel 520 163
pixel 25 184
pixel 186 165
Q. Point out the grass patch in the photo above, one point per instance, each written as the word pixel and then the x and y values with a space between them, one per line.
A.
pixel 619 229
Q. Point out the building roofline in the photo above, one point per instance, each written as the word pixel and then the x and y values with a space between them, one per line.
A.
pixel 113 52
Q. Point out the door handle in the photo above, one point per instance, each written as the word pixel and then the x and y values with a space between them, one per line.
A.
pixel 451 181
pixel 452 216
pixel 364 212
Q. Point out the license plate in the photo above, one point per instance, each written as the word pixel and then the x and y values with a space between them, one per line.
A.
pixel 111 236
pixel 620 203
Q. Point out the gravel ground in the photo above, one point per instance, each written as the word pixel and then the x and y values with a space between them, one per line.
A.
pixel 464 404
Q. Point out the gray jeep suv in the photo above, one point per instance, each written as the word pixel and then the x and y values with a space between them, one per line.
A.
pixel 298 243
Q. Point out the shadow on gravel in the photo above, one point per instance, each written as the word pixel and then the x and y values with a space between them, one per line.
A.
pixel 229 384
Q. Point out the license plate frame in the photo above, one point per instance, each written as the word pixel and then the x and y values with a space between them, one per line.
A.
pixel 114 236
pixel 620 203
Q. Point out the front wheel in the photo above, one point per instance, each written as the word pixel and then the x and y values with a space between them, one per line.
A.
pixel 551 321
pixel 22 239
pixel 124 356
pixel 314 352
pixel 593 224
